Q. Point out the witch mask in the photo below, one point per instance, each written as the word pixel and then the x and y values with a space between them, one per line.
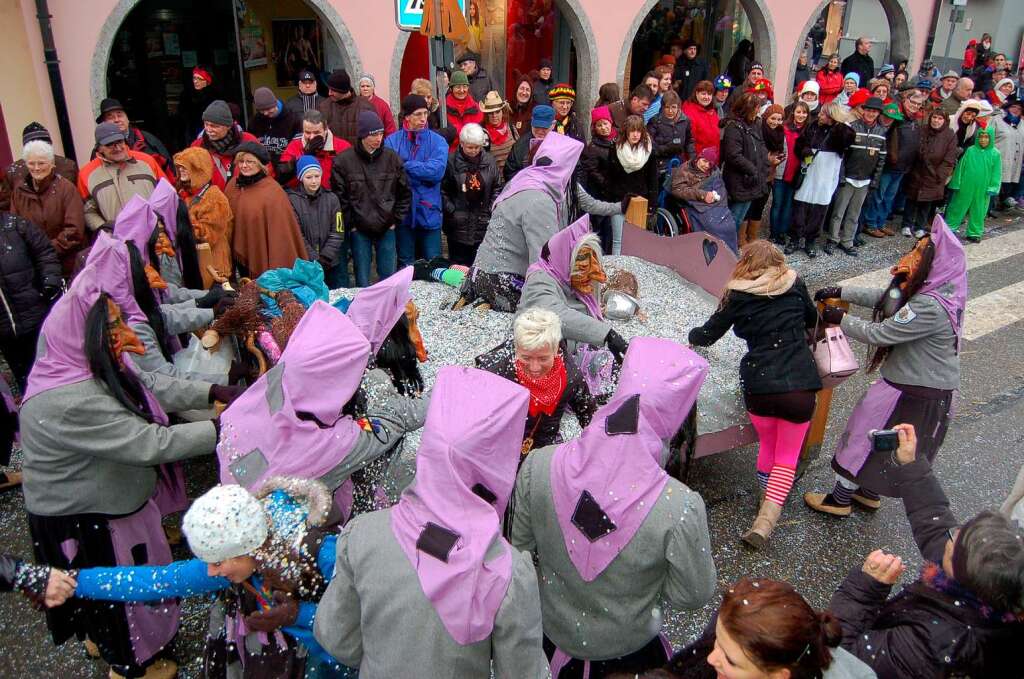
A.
pixel 122 337
pixel 586 271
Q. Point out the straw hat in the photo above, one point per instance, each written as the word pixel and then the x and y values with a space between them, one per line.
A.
pixel 492 103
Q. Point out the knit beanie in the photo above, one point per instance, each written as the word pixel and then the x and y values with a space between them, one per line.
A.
pixel 458 78
pixel 339 81
pixel 35 131
pixel 855 77
pixel 264 98
pixel 253 148
pixel 224 523
pixel 306 163
pixel 218 113
pixel 368 123
pixel 859 98
pixel 709 154
pixel 562 91
pixel 811 86
pixel 412 103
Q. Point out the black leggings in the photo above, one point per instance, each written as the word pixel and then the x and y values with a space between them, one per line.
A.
pixel 647 658
pixel 792 406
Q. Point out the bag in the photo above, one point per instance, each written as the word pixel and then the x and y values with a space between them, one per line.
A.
pixel 197 359
pixel 801 173
pixel 833 356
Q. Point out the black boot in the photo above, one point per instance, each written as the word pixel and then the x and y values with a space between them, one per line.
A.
pixel 848 250
pixel 857 241
pixel 827 249
pixel 794 245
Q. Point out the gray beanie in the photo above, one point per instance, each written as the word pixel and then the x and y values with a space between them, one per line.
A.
pixel 218 113
pixel 263 98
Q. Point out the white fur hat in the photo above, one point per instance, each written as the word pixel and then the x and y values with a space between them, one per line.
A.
pixel 226 522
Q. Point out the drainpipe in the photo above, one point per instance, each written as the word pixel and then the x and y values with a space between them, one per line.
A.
pixel 56 84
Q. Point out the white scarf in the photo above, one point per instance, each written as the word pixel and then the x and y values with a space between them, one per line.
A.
pixel 632 157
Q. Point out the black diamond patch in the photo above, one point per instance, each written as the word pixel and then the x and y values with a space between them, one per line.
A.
pixel 591 519
pixel 625 419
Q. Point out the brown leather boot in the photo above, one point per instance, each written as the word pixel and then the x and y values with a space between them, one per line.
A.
pixel 753 230
pixel 764 524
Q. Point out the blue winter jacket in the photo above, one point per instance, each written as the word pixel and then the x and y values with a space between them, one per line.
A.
pixel 425 154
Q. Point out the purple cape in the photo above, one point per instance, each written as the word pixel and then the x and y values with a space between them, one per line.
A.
pixel 472 438
pixel 553 179
pixel 135 223
pixel 621 471
pixel 61 359
pixel 164 201
pixel 562 256
pixel 947 280
pixel 376 309
pixel 318 373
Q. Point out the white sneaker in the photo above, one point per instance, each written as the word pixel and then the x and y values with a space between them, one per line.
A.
pixel 1010 202
pixel 920 233
pixel 905 231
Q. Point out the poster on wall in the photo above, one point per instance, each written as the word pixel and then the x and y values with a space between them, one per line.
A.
pixel 254 47
pixel 298 44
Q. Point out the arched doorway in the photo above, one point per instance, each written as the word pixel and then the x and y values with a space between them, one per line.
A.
pixel 825 32
pixel 717 26
pixel 148 48
pixel 507 52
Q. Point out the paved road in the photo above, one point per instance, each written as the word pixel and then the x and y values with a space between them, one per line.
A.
pixel 981 456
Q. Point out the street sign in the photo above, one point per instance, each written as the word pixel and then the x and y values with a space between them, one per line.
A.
pixel 409 13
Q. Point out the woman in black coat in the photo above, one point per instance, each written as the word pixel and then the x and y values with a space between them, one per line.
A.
pixel 745 164
pixel 767 305
pixel 471 182
pixel 30 281
pixel 632 169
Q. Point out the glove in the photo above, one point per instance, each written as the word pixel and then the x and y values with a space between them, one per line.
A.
pixel 625 201
pixel 616 344
pixel 315 145
pixel 833 315
pixel 284 613
pixel 834 292
pixel 211 298
pixel 51 293
pixel 237 372
pixel 223 305
pixel 225 394
pixel 421 270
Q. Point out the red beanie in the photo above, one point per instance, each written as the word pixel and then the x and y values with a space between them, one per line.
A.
pixel 859 98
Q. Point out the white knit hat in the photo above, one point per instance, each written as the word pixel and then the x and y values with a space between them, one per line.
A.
pixel 224 523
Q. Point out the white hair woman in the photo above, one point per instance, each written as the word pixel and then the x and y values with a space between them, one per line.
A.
pixel 50 202
pixel 468 190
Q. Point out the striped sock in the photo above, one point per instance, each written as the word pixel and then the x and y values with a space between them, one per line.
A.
pixel 762 480
pixel 779 483
pixel 841 495
pixel 868 494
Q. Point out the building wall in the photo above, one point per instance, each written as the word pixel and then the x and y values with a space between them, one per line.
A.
pixel 21 93
pixel 84 30
pixel 1002 19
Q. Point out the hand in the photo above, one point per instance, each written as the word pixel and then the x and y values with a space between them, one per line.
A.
pixel 907 450
pixel 211 298
pixel 51 293
pixel 616 344
pixel 223 305
pixel 885 568
pixel 225 393
pixel 314 145
pixel 833 292
pixel 59 588
pixel 833 315
pixel 284 613
pixel 708 198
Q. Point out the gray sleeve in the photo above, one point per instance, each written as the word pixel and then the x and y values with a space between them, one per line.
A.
pixel 93 219
pixel 523 538
pixel 924 318
pixel 176 294
pixel 185 317
pixel 539 223
pixel 866 297
pixel 691 578
pixel 517 639
pixel 594 206
pixel 337 626
pixel 541 290
pixel 153 360
pixel 176 394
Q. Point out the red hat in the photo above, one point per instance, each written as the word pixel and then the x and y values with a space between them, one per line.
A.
pixel 762 86
pixel 859 98
pixel 667 60
pixel 202 73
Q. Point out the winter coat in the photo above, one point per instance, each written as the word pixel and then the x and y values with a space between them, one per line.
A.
pixel 619 112
pixel 480 84
pixel 671 138
pixel 276 133
pixel 745 164
pixel 28 263
pixel 57 209
pixel 830 84
pixel 934 164
pixel 904 143
pixel 978 173
pixel 703 126
pixel 518 157
pixel 107 187
pixel 299 103
pixel 775 330
pixel 320 221
pixel 595 164
pixel 266 234
pixel 687 73
pixel 540 91
pixel 923 632
pixel 343 116
pixel 519 118
pixel 146 142
pixel 576 395
pixel 284 171
pixel 1010 142
pixel 466 214
pixel 691 185
pixel 424 157
pixel 384 111
pixel 570 127
pixel 801 75
pixel 373 189
pixel 861 64
pixel 461 112
pixel 212 220
pixel 642 182
pixel 865 157
pixel 17 171
pixel 792 160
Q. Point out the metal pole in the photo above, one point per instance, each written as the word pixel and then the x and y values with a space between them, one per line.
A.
pixel 56 84
pixel 438 41
pixel 244 103
pixel 949 38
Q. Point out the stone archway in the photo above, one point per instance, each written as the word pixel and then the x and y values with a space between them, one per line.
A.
pixel 901 33
pixel 325 12
pixel 761 28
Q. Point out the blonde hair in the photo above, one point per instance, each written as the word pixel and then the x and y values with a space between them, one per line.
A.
pixel 421 86
pixel 537 328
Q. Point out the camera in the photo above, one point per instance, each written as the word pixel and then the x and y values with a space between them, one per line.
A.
pixel 885 440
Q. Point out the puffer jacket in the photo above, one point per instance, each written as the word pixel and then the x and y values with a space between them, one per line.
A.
pixel 830 84
pixel 595 165
pixel 936 158
pixel 465 221
pixel 461 112
pixel 671 138
pixel 745 166
pixel 372 189
pixel 321 223
pixel 343 116
pixel 28 263
pixel 424 157
pixel 703 126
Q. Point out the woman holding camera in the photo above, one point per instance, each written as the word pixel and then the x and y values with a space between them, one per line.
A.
pixel 915 328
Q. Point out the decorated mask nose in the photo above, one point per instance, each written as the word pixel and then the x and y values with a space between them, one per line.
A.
pixel 155 280
pixel 163 245
pixel 122 337
pixel 412 315
pixel 910 262
pixel 587 270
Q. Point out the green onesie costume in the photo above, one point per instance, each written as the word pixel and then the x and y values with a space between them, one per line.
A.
pixel 976 178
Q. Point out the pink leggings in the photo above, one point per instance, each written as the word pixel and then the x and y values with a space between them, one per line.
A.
pixel 778 453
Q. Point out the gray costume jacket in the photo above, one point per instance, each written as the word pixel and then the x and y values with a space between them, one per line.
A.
pixel 541 290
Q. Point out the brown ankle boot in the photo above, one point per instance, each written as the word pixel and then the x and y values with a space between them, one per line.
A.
pixel 764 524
pixel 753 230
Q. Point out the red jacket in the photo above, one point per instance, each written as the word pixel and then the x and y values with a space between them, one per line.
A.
pixel 384 111
pixel 792 162
pixel 461 112
pixel 332 147
pixel 222 161
pixel 831 84
pixel 703 126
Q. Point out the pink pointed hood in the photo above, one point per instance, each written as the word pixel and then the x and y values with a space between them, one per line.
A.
pixel 164 201
pixel 947 280
pixel 376 309
pixel 561 256
pixel 135 223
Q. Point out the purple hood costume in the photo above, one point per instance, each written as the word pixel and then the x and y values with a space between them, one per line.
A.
pixel 376 309
pixel 551 177
pixel 562 256
pixel 135 223
pixel 164 201
pixel 947 279
pixel 262 433
pixel 605 483
pixel 469 452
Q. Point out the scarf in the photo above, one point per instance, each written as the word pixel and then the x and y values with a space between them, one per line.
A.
pixel 772 281
pixel 499 135
pixel 222 146
pixel 935 579
pixel 243 180
pixel 632 157
pixel 545 391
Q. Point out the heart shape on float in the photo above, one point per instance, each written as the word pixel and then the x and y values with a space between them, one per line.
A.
pixel 710 249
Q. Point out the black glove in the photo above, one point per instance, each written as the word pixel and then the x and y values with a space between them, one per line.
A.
pixel 225 394
pixel 284 613
pixel 237 372
pixel 51 293
pixel 314 145
pixel 616 344
pixel 216 294
pixel 833 315
pixel 223 305
pixel 834 292
pixel 421 270
pixel 625 201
